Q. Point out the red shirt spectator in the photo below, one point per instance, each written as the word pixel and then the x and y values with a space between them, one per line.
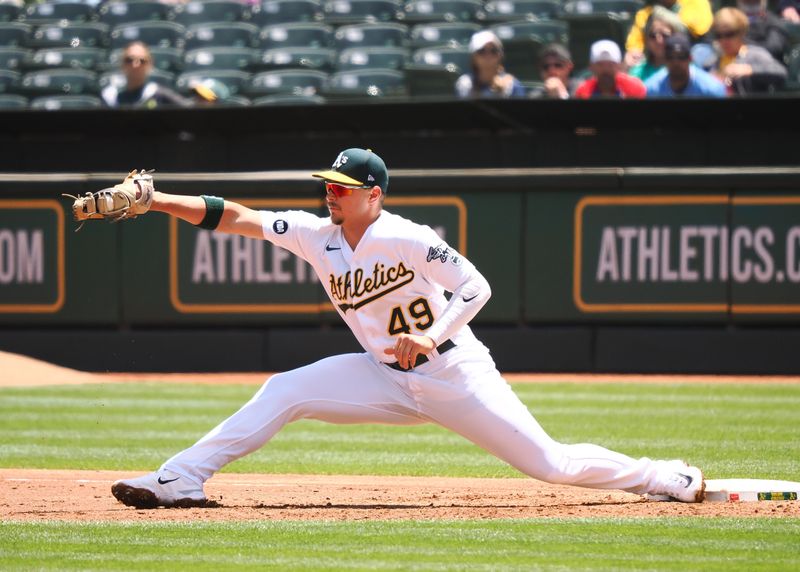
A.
pixel 607 79
pixel 625 86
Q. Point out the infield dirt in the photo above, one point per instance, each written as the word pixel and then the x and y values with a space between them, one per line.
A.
pixel 32 494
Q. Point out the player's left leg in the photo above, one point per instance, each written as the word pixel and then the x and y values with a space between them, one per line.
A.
pixel 470 397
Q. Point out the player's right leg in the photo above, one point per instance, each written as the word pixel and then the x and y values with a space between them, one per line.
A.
pixel 483 408
pixel 340 389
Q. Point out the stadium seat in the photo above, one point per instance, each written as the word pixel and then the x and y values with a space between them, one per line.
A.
pixel 457 58
pixel 792 31
pixel 434 71
pixel 289 99
pixel 625 8
pixel 224 34
pixel 118 12
pixel 59 81
pixel 366 83
pixel 9 81
pixel 165 59
pixel 69 35
pixel 296 36
pixel 117 79
pixel 793 67
pixel 274 12
pixel 59 102
pixel 510 10
pixel 311 58
pixel 14 34
pixel 359 11
pixel 298 82
pixel 448 34
pixel 522 58
pixel 13 58
pixel 585 29
pixel 362 35
pixel 219 58
pixel 154 34
pixel 86 58
pixel 376 58
pixel 9 12
pixel 235 101
pixel 419 11
pixel 209 11
pixel 11 101
pixel 236 81
pixel 52 12
pixel 425 80
pixel 544 31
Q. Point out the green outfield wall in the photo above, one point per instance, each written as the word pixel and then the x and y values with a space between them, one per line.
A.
pixel 568 252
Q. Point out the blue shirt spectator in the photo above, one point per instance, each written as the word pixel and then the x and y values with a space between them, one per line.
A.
pixel 679 77
pixel 700 84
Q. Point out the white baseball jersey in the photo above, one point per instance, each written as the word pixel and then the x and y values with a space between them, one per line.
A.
pixel 394 281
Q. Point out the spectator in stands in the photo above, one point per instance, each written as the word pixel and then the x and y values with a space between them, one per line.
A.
pixel 488 78
pixel 680 77
pixel 555 67
pixel 660 25
pixel 695 14
pixel 209 91
pixel 766 29
pixel 137 63
pixel 743 67
pixel 607 80
pixel 790 10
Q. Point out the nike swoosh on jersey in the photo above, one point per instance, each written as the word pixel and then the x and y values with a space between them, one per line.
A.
pixel 469 299
pixel 328 247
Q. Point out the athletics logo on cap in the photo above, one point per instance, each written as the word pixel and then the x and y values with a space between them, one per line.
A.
pixel 357 167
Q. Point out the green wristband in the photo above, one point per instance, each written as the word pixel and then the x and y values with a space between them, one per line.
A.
pixel 214 208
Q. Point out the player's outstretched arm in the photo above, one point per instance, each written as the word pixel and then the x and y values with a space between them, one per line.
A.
pixel 136 195
pixel 235 219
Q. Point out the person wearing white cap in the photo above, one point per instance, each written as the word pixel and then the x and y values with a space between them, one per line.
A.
pixel 605 59
pixel 487 78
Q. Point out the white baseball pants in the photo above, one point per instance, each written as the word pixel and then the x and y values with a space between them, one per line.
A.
pixel 460 390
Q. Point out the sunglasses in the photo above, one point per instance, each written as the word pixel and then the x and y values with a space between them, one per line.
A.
pixel 493 51
pixel 342 190
pixel 130 60
pixel 726 35
pixel 554 65
pixel 657 35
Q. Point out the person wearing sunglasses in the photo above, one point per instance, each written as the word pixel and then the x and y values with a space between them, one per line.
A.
pixel 680 78
pixel 555 68
pixel 696 15
pixel 488 77
pixel 387 278
pixel 744 68
pixel 661 24
pixel 136 64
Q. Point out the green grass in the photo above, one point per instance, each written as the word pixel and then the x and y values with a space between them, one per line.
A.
pixel 730 430
pixel 586 544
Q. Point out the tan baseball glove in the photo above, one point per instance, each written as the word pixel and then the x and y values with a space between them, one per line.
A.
pixel 131 198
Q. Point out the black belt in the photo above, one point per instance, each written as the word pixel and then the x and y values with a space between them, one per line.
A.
pixel 445 346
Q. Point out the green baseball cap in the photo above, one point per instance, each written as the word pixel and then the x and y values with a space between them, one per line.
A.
pixel 357 167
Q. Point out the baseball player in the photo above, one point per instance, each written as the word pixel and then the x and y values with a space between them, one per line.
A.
pixel 387 277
